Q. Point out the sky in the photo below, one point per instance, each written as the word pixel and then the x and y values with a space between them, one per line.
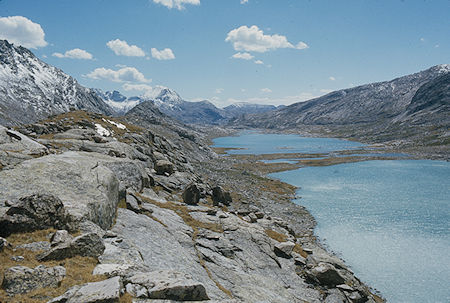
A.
pixel 227 51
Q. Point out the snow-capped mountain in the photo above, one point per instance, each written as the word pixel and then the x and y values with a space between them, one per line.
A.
pixel 31 89
pixel 170 103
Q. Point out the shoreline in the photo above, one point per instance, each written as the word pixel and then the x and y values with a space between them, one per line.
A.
pixel 251 163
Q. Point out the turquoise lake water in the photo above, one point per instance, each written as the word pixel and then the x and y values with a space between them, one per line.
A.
pixel 389 220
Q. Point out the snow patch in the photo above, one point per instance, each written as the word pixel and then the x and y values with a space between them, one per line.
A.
pixel 101 130
pixel 116 124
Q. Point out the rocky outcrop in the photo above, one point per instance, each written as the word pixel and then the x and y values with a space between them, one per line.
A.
pixel 107 291
pixel 221 196
pixel 168 285
pixel 87 245
pixel 39 211
pixel 21 279
pixel 88 190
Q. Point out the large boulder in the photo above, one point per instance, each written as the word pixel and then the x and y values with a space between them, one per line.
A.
pixel 87 189
pixel 168 285
pixel 21 279
pixel 163 167
pixel 327 274
pixel 87 245
pixel 191 194
pixel 33 212
pixel 221 196
pixel 107 291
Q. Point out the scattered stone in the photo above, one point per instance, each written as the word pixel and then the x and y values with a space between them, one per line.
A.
pixel 253 218
pixel 284 249
pixel 220 196
pixel 87 245
pixel 309 251
pixel 191 194
pixel 21 279
pixel 136 290
pixel 170 285
pixel 163 166
pixel 211 212
pixel 59 237
pixel 345 287
pixel 327 274
pixel 3 243
pixel 299 260
pixel 259 215
pixel 39 211
pixel 107 291
pixel 110 234
pixel 36 246
pixel 356 297
pixel 335 296
pixel 133 203
pixel 17 258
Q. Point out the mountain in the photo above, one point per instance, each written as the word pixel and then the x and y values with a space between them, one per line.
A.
pixel 31 89
pixel 363 104
pixel 172 104
pixel 244 108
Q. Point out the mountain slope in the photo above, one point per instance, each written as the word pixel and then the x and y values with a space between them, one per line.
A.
pixel 369 103
pixel 31 89
pixel 377 103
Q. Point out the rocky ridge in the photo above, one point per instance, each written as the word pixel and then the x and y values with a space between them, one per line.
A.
pixel 31 89
pixel 99 209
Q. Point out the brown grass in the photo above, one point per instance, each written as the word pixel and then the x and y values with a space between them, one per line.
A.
pixel 298 249
pixel 276 235
pixel 78 269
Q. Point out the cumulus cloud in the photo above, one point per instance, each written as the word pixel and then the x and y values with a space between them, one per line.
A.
pixel 178 4
pixel 121 48
pixel 253 39
pixel 332 78
pixel 219 90
pixel 165 54
pixel 243 56
pixel 75 53
pixel 266 90
pixel 22 31
pixel 259 62
pixel 244 1
pixel 125 74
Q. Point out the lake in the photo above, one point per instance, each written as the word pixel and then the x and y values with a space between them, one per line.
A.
pixel 389 220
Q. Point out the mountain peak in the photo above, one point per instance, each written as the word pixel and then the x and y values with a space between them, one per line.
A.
pixel 31 89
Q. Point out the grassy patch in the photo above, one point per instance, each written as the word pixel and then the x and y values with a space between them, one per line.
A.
pixel 276 235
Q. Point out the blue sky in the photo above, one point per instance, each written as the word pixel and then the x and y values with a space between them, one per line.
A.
pixel 285 50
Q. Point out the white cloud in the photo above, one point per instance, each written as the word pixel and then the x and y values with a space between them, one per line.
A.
pixel 219 90
pixel 422 39
pixel 125 74
pixel 165 54
pixel 253 39
pixel 178 4
pixel 22 31
pixel 121 48
pixel 259 62
pixel 244 1
pixel 266 90
pixel 75 53
pixel 301 45
pixel 244 56
pixel 332 78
